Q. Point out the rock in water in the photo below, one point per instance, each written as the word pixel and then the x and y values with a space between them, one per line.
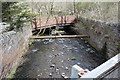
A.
pixel 50 74
pixel 66 68
pixel 53 65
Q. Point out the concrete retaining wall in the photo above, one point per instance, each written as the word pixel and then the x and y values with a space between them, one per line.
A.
pixel 109 69
pixel 104 36
pixel 12 46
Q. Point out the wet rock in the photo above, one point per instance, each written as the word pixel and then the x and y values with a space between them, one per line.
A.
pixel 68 59
pixel 51 56
pixel 62 61
pixel 70 48
pixel 38 40
pixel 88 49
pixel 57 70
pixel 86 42
pixel 50 74
pixel 61 53
pixel 34 50
pixel 88 45
pixel 63 75
pixel 40 74
pixel 75 48
pixel 46 39
pixel 51 40
pixel 53 65
pixel 46 43
pixel 81 46
pixel 82 38
pixel 92 51
pixel 66 68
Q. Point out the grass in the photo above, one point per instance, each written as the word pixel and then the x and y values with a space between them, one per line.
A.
pixel 12 74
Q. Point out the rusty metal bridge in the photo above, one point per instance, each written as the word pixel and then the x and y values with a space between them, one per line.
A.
pixel 48 22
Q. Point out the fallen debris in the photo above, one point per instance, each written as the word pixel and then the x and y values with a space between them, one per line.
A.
pixel 73 58
pixel 78 63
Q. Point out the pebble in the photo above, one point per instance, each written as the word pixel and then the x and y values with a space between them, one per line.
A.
pixel 34 50
pixel 92 51
pixel 66 68
pixel 62 61
pixel 57 69
pixel 63 75
pixel 86 42
pixel 88 45
pixel 38 40
pixel 50 56
pixel 50 74
pixel 46 42
pixel 68 59
pixel 88 49
pixel 81 38
pixel 38 75
pixel 81 47
pixel 53 65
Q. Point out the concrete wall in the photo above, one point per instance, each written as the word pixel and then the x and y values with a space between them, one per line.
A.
pixel 114 74
pixel 12 46
pixel 103 35
pixel 109 69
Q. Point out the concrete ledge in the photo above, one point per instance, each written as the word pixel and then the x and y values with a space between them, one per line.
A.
pixel 105 67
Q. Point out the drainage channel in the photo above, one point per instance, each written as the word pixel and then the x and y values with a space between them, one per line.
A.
pixel 53 58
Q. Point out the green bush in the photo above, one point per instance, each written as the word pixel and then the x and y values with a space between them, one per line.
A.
pixel 16 14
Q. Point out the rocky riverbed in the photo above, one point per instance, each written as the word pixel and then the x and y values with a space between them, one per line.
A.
pixel 53 58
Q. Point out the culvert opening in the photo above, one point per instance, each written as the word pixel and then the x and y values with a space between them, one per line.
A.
pixel 54 58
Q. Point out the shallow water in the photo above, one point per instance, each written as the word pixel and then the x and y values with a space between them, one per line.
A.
pixel 50 58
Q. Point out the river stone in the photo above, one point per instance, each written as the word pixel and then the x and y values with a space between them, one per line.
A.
pixel 53 65
pixel 50 74
pixel 66 68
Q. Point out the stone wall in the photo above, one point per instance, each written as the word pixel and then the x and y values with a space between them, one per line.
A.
pixel 12 46
pixel 104 36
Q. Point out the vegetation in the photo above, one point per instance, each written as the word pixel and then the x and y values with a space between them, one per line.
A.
pixel 106 11
pixel 16 14
pixel 73 58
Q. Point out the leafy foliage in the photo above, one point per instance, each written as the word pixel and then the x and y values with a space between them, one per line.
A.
pixel 16 14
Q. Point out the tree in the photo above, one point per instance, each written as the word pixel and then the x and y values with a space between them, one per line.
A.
pixel 15 14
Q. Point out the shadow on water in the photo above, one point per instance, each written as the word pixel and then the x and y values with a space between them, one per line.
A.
pixel 50 58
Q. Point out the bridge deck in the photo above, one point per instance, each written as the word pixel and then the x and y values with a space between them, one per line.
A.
pixel 47 22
